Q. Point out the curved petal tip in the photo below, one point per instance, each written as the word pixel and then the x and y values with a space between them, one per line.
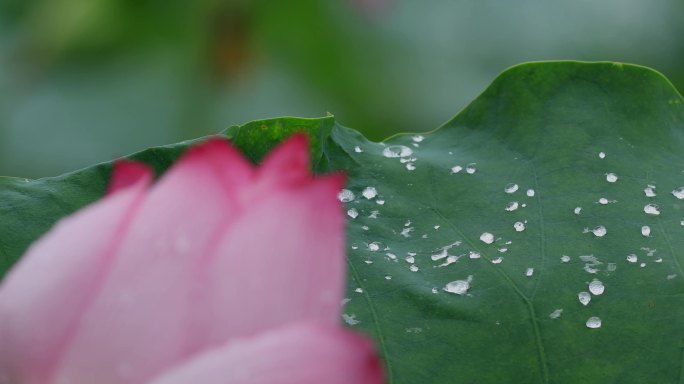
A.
pixel 127 173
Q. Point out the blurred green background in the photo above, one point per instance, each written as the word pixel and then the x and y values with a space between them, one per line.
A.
pixel 85 81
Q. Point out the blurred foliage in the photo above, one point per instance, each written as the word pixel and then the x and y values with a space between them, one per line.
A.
pixel 82 81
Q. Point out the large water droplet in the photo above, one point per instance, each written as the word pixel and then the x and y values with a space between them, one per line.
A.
pixel 345 196
pixel 603 201
pixel 652 209
pixel 413 268
pixel 410 166
pixel 556 314
pixel 529 272
pixel 358 149
pixel 487 238
pixel 397 151
pixel 470 168
pixel 632 258
pixel 440 255
pixel 458 287
pixel 530 192
pixel 474 255
pixel 611 177
pixel 679 193
pixel 353 213
pixel 410 259
pixel 599 231
pixel 456 169
pixel 584 297
pixel 370 192
pixel 519 226
pixel 596 287
pixel 374 246
pixel 512 206
pixel 497 260
pixel 602 155
pixel 578 210
pixel 510 188
pixel 594 322
pixel 646 230
pixel 649 191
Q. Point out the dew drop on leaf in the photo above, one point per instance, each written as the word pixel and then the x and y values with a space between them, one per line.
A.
pixel 374 247
pixel 599 231
pixel 397 151
pixel 370 192
pixel 594 322
pixel 556 314
pixel 458 287
pixel 358 149
pixel 487 238
pixel 529 272
pixel 678 193
pixel 565 258
pixel 611 177
pixel 474 255
pixel 470 168
pixel 497 260
pixel 510 188
pixel 456 169
pixel 353 213
pixel 380 202
pixel 413 268
pixel 602 155
pixel 584 297
pixel 358 290
pixel 649 191
pixel 388 277
pixel 410 259
pixel 646 231
pixel 632 258
pixel 345 196
pixel 410 166
pixel 578 210
pixel 603 201
pixel 512 206
pixel 530 192
pixel 596 287
pixel 418 138
pixel 519 226
pixel 652 209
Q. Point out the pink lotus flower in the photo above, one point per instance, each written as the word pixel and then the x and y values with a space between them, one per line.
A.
pixel 219 273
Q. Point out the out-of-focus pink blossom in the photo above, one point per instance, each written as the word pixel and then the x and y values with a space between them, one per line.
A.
pixel 219 273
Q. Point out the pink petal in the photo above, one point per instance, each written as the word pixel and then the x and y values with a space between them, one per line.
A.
pixel 126 173
pixel 42 298
pixel 299 354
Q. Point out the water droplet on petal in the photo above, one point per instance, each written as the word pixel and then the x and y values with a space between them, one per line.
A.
pixel 594 322
pixel 599 231
pixel 470 168
pixel 646 230
pixel 458 287
pixel 397 151
pixel 596 287
pixel 556 314
pixel 345 196
pixel 510 188
pixel 353 213
pixel 358 149
pixel 651 209
pixel 519 226
pixel 578 210
pixel 565 258
pixel 512 206
pixel 611 177
pixel 632 258
pixel 584 297
pixel 649 191
pixel 456 169
pixel 370 192
pixel 679 193
pixel 530 192
pixel 487 238
pixel 529 272
pixel 602 155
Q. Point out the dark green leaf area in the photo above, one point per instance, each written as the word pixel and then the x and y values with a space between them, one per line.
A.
pixel 565 150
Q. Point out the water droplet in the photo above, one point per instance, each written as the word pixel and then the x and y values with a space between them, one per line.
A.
pixel 510 188
pixel 596 287
pixel 578 210
pixel 642 265
pixel 470 168
pixel 391 256
pixel 397 151
pixel 497 260
pixel 440 255
pixel 374 246
pixel 358 149
pixel 418 138
pixel 350 319
pixel 519 226
pixel 458 287
pixel 512 206
pixel 456 169
pixel 651 209
pixel 436 227
pixel 353 213
pixel 370 192
pixel 678 193
pixel 365 228
pixel 487 238
pixel 603 201
pixel 406 232
pixel 410 259
pixel 584 297
pixel 368 261
pixel 410 166
pixel 599 231
pixel 594 322
pixel 380 202
pixel 529 272
pixel 649 191
pixel 632 258
pixel 474 255
pixel 611 177
pixel 374 215
pixel 345 196
pixel 388 277
pixel 530 192
pixel 611 267
pixel 602 155
pixel 556 314
pixel 413 268
pixel 565 258
pixel 358 290
pixel 646 230
pixel 672 276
